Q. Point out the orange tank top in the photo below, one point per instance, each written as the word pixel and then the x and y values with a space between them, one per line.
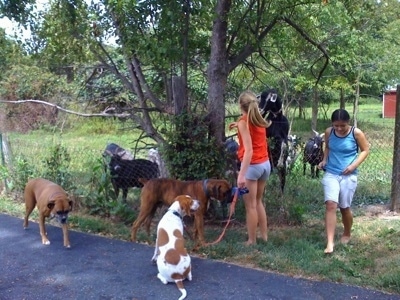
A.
pixel 259 142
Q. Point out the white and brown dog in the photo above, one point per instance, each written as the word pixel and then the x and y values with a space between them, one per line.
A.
pixel 170 254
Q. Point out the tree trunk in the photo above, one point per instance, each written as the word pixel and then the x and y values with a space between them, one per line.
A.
pixel 395 195
pixel 342 102
pixel 179 94
pixel 218 72
pixel 355 106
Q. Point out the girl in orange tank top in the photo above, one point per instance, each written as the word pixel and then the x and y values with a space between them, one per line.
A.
pixel 255 167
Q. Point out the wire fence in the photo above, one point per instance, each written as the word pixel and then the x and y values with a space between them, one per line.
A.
pixel 23 157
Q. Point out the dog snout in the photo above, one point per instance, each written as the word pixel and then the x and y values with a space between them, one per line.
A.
pixel 62 218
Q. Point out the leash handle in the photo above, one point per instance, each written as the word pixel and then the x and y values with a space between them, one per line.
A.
pixel 231 211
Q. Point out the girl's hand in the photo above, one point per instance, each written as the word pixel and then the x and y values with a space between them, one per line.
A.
pixel 321 165
pixel 348 170
pixel 241 181
pixel 233 125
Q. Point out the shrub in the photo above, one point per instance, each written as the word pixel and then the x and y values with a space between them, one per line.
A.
pixel 23 170
pixel 190 153
pixel 56 167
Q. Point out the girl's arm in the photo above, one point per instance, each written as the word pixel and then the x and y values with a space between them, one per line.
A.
pixel 248 152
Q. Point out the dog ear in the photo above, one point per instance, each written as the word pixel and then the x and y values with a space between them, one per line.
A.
pixel 143 180
pixel 218 192
pixel 51 204
pixel 187 203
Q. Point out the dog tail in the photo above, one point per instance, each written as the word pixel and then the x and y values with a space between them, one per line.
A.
pixel 179 284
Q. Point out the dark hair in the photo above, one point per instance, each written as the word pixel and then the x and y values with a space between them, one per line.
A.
pixel 340 115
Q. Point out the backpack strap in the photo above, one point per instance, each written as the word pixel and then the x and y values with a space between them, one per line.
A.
pixel 354 136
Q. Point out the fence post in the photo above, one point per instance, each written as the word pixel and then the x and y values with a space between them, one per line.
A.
pixel 395 195
pixel 3 162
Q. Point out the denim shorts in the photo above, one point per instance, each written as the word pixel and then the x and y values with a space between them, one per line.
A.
pixel 259 171
pixel 339 188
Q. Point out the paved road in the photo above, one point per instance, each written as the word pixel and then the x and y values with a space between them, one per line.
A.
pixel 106 269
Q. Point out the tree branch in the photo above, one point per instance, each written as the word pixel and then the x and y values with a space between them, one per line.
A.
pixel 103 114
pixel 311 41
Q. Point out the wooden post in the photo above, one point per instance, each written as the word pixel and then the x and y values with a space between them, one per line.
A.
pixel 5 157
pixel 395 195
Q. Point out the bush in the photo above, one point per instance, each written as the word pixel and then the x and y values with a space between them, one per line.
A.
pixel 190 153
pixel 23 170
pixel 56 167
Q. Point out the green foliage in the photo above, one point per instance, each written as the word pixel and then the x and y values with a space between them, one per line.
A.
pixel 56 166
pixel 296 214
pixel 23 170
pixel 3 172
pixel 190 153
pixel 24 81
pixel 11 53
pixel 101 199
pixel 66 28
pixel 16 10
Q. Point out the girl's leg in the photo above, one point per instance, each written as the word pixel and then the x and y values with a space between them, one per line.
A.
pixel 347 219
pixel 251 211
pixel 330 224
pixel 262 215
pixel 347 189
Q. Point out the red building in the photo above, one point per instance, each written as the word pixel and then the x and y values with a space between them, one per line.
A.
pixel 389 104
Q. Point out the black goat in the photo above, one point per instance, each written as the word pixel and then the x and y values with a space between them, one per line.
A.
pixel 277 133
pixel 125 171
pixel 313 153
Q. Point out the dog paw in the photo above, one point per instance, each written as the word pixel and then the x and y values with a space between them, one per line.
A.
pixel 46 242
pixel 68 246
pixel 162 279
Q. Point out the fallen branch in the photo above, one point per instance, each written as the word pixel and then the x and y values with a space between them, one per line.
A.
pixel 102 114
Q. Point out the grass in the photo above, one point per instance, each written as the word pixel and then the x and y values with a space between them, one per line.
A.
pixel 296 220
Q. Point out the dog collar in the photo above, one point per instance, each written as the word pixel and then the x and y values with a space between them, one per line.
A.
pixel 176 214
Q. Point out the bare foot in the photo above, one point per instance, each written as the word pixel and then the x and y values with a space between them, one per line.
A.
pixel 249 243
pixel 345 239
pixel 328 249
pixel 264 238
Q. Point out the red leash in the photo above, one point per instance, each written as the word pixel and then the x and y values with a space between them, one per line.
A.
pixel 231 211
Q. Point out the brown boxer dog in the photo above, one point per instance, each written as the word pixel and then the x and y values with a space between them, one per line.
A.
pixel 159 191
pixel 51 200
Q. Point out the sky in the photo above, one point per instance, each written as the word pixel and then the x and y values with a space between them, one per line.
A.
pixel 12 27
